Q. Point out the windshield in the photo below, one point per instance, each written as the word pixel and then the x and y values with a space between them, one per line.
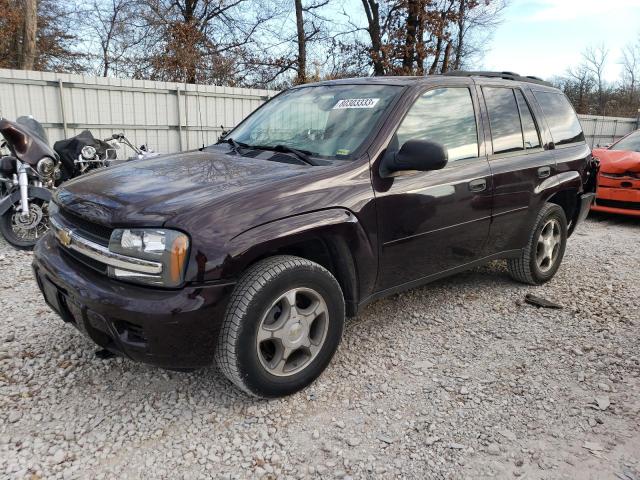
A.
pixel 630 143
pixel 325 121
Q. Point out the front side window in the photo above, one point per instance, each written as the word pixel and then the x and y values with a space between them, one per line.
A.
pixel 630 143
pixel 445 116
pixel 330 121
pixel 504 119
pixel 563 122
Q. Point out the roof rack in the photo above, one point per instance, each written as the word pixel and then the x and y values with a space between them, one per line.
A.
pixel 503 75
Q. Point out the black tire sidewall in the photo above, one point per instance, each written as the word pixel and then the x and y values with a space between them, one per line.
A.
pixel 254 375
pixel 553 211
pixel 9 236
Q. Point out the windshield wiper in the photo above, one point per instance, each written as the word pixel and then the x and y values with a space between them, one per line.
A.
pixel 300 154
pixel 235 146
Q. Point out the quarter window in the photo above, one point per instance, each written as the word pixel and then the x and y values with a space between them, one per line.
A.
pixel 563 122
pixel 529 131
pixel 506 132
pixel 446 116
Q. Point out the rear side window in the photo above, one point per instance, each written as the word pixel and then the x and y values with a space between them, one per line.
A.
pixel 504 119
pixel 529 130
pixel 563 122
pixel 446 116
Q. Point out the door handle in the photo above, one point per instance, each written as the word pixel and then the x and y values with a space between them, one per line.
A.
pixel 544 172
pixel 479 185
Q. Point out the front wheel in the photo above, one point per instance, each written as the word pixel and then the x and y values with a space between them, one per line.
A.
pixel 24 231
pixel 541 258
pixel 282 326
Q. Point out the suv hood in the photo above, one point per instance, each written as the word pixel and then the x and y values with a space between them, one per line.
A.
pixel 150 192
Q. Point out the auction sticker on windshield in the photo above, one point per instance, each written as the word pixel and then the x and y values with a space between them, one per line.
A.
pixel 356 103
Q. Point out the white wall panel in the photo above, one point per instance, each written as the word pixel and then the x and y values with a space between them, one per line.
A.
pixel 147 112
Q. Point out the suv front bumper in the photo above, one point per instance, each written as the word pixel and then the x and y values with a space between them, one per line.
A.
pixel 174 329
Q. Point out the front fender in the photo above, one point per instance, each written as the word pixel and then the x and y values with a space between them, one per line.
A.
pixel 34 192
pixel 347 243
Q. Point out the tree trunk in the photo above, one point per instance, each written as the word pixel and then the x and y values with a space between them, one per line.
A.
pixel 29 35
pixel 445 60
pixel 302 44
pixel 372 9
pixel 462 11
pixel 413 10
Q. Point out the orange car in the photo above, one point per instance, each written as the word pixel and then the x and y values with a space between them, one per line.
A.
pixel 618 189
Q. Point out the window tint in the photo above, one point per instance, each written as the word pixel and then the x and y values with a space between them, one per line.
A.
pixel 563 122
pixel 504 119
pixel 531 138
pixel 446 116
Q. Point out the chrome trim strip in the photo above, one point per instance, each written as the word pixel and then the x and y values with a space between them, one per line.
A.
pixel 102 254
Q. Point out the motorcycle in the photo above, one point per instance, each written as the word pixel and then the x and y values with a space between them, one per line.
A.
pixel 26 176
pixel 30 170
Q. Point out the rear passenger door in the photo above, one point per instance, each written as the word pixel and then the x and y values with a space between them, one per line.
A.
pixel 520 161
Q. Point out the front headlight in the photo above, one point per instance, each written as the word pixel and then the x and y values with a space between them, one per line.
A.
pixel 46 167
pixel 168 247
pixel 88 152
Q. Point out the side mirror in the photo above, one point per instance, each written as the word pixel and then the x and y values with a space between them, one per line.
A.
pixel 414 155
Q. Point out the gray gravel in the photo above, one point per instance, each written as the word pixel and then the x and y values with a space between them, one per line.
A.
pixel 459 379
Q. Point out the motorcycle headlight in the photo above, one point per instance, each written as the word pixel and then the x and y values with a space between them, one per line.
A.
pixel 88 152
pixel 46 167
pixel 168 247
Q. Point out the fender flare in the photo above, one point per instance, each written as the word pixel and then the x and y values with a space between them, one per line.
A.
pixel 347 240
pixel 34 192
pixel 561 181
pixel 570 180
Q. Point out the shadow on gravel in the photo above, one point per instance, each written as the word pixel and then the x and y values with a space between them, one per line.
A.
pixel 614 219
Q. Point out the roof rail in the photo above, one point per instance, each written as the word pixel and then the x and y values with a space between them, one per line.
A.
pixel 503 75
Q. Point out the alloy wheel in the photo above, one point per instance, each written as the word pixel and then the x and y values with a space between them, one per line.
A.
pixel 292 331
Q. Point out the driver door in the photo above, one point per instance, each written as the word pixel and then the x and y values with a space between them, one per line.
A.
pixel 431 222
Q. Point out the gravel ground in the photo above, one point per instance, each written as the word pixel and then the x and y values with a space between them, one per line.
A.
pixel 458 379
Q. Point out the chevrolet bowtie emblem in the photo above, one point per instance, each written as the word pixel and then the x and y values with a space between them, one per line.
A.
pixel 65 237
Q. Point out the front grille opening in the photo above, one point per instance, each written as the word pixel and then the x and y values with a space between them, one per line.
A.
pixel 87 261
pixel 93 231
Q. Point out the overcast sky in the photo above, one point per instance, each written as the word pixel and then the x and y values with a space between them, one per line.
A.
pixel 544 37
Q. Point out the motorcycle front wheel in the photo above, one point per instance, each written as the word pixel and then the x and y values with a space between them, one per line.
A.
pixel 24 231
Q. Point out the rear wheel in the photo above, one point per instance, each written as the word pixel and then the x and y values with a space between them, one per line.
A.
pixel 282 326
pixel 24 231
pixel 541 258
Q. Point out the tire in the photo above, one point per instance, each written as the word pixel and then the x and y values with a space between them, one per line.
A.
pixel 528 268
pixel 268 348
pixel 10 236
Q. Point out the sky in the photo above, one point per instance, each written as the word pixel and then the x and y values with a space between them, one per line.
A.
pixel 545 37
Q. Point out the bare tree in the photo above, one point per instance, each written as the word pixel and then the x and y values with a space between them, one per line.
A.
pixel 583 81
pixel 28 56
pixel 302 43
pixel 595 61
pixel 54 37
pixel 631 68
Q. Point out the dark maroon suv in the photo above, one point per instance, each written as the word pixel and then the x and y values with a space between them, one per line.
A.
pixel 251 252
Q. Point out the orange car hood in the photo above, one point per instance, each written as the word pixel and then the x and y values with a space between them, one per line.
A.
pixel 617 161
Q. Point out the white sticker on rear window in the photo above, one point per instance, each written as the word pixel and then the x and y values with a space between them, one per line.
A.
pixel 356 103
